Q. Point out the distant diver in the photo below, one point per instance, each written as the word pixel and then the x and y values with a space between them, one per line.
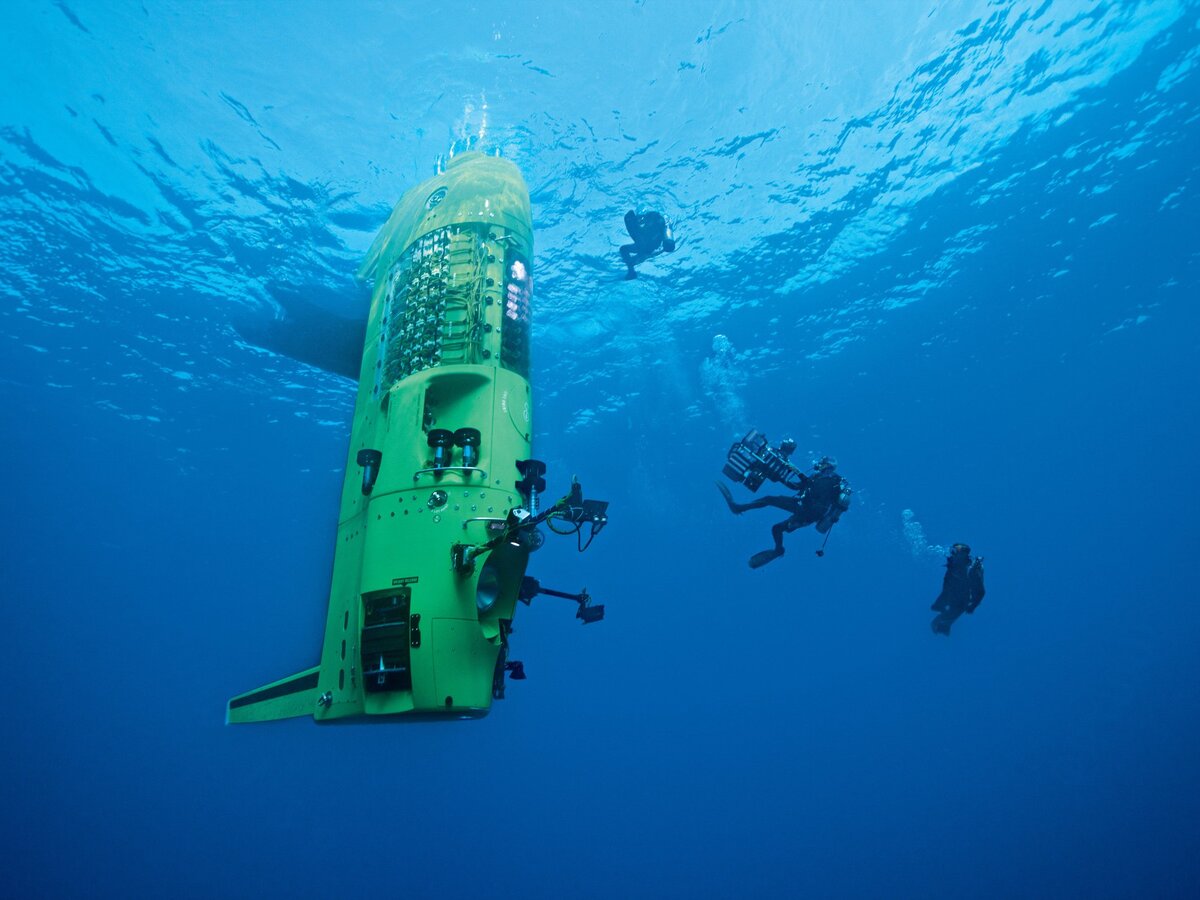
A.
pixel 650 232
pixel 820 500
pixel 962 589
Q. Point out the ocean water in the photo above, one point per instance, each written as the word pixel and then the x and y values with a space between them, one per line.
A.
pixel 955 244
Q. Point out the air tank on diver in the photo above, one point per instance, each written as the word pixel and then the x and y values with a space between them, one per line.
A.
pixel 442 499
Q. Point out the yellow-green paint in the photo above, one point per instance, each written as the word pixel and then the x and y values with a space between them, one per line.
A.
pixel 460 364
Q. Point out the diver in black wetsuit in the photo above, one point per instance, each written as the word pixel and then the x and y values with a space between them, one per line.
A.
pixel 820 500
pixel 962 589
pixel 649 231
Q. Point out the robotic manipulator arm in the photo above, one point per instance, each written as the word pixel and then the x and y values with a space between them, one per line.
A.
pixel 567 516
pixel 751 461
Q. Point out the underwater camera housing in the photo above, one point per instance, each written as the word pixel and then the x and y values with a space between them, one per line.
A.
pixel 751 461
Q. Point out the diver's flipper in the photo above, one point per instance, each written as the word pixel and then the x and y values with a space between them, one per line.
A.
pixel 758 560
pixel 941 625
pixel 734 506
pixel 295 695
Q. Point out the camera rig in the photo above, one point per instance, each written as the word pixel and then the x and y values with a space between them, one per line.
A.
pixel 751 461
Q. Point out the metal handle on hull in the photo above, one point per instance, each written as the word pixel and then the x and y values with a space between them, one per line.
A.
pixel 464 469
pixel 482 519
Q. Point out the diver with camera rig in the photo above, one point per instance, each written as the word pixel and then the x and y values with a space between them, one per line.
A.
pixel 818 499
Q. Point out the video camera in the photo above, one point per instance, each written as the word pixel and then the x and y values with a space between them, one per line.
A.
pixel 751 461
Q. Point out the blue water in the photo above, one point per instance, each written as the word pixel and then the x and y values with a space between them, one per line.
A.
pixel 953 244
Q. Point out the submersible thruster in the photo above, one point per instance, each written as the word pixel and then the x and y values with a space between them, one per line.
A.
pixel 440 505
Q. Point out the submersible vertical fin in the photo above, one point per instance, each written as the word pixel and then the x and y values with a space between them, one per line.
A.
pixel 441 419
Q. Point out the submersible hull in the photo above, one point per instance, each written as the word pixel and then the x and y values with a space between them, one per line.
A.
pixel 426 571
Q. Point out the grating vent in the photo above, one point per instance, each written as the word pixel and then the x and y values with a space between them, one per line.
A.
pixel 385 643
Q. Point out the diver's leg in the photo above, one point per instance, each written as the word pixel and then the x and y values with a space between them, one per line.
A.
pixel 648 246
pixel 738 508
pixel 630 259
pixel 787 504
pixel 941 625
pixel 778 530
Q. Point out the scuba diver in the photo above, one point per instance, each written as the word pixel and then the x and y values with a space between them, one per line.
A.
pixel 962 589
pixel 649 231
pixel 820 500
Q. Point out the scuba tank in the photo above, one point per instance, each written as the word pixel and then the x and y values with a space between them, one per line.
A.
pixel 843 498
pixel 840 504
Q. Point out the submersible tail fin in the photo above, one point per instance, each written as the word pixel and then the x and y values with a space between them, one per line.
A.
pixel 295 695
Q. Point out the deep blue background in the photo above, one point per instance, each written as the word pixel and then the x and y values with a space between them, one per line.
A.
pixel 1028 387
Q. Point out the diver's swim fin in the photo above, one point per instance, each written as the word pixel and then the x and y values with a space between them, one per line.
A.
pixel 758 560
pixel 734 506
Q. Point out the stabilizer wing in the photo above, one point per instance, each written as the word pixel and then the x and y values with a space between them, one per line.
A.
pixel 295 695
